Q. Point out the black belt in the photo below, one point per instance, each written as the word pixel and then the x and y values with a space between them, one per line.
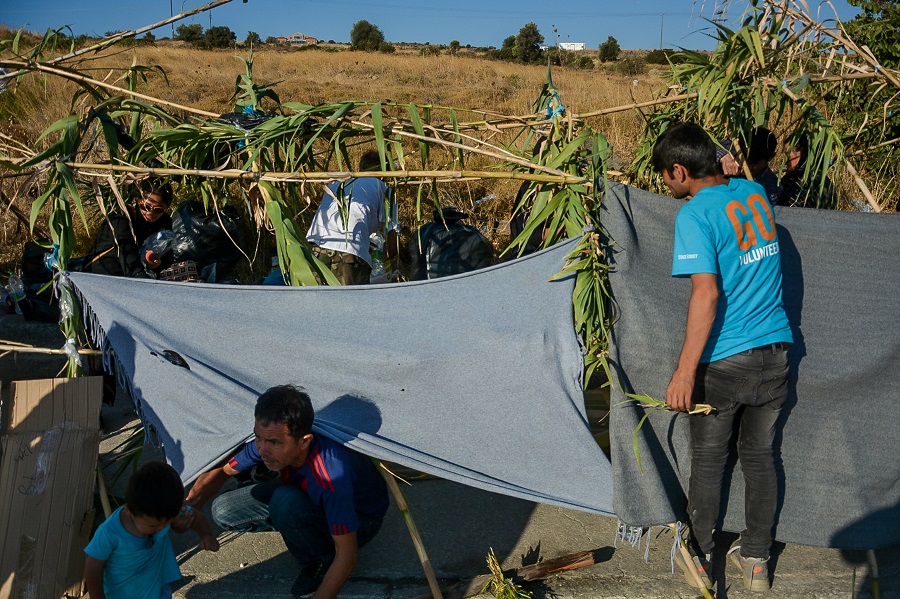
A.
pixel 771 347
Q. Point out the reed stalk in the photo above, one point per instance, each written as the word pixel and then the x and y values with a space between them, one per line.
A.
pixel 411 527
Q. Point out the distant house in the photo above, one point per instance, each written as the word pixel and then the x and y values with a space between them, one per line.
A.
pixel 281 39
pixel 298 39
pixel 571 46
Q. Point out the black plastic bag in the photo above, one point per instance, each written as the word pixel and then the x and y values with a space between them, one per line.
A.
pixel 206 238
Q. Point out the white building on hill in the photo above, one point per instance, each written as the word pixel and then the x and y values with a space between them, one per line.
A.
pixel 298 39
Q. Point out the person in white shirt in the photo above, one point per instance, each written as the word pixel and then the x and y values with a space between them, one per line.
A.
pixel 350 212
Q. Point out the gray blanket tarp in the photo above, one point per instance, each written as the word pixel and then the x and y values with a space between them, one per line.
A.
pixel 837 457
pixel 474 378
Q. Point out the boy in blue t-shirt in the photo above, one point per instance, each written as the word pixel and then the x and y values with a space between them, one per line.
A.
pixel 131 555
pixel 734 356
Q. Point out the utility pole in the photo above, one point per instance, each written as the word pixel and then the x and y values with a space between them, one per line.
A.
pixel 662 22
pixel 171 14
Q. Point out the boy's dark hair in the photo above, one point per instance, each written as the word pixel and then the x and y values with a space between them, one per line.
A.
pixel 161 188
pixel 690 146
pixel 288 404
pixel 370 161
pixel 155 490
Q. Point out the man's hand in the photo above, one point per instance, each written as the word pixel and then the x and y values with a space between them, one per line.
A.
pixel 209 543
pixel 152 259
pixel 730 166
pixel 184 520
pixel 679 391
pixel 208 484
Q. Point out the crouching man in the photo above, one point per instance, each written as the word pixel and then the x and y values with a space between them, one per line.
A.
pixel 326 502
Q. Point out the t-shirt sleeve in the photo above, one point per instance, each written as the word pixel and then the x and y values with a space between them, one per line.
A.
pixel 246 458
pixel 693 252
pixel 103 544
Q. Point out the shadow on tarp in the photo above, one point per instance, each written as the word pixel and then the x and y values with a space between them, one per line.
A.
pixel 887 558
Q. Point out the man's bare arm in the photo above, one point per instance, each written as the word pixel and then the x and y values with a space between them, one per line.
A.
pixel 208 485
pixel 345 554
pixel 701 315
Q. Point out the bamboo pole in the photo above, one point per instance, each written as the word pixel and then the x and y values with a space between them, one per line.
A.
pixel 30 349
pixel 862 186
pixel 104 492
pixel 873 569
pixel 109 41
pixel 413 531
pixel 297 177
pixel 81 78
pixel 689 564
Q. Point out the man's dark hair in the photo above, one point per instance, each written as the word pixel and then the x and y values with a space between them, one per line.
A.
pixel 370 161
pixel 690 146
pixel 763 145
pixel 155 490
pixel 802 146
pixel 288 404
pixel 161 188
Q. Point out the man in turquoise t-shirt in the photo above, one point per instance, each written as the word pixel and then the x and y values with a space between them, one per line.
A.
pixel 734 356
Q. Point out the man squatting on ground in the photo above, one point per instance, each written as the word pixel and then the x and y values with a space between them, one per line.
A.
pixel 327 501
pixel 735 348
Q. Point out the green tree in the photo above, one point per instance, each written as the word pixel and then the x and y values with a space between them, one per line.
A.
pixel 365 36
pixel 507 50
pixel 189 33
pixel 149 37
pixel 527 47
pixel 219 37
pixel 387 48
pixel 252 38
pixel 271 40
pixel 454 47
pixel 609 50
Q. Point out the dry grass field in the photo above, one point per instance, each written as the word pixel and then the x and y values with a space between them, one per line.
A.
pixel 205 80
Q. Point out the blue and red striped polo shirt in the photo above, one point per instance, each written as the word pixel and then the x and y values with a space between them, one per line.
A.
pixel 342 482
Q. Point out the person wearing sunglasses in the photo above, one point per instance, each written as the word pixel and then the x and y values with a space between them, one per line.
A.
pixel 116 249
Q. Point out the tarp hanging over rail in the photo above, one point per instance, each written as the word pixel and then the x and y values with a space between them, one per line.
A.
pixel 837 459
pixel 474 378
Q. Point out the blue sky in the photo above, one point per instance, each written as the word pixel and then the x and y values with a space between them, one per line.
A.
pixel 634 23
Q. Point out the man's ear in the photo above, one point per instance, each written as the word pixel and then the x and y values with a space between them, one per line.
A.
pixel 305 440
pixel 680 173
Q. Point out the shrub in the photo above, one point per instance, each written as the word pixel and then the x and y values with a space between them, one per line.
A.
pixel 663 57
pixel 609 50
pixel 189 33
pixel 630 66
pixel 219 37
pixel 387 48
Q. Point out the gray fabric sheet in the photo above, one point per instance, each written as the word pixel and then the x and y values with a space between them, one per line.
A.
pixel 837 458
pixel 474 378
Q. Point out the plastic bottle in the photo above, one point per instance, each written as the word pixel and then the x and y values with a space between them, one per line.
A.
pixel 16 290
pixel 376 249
